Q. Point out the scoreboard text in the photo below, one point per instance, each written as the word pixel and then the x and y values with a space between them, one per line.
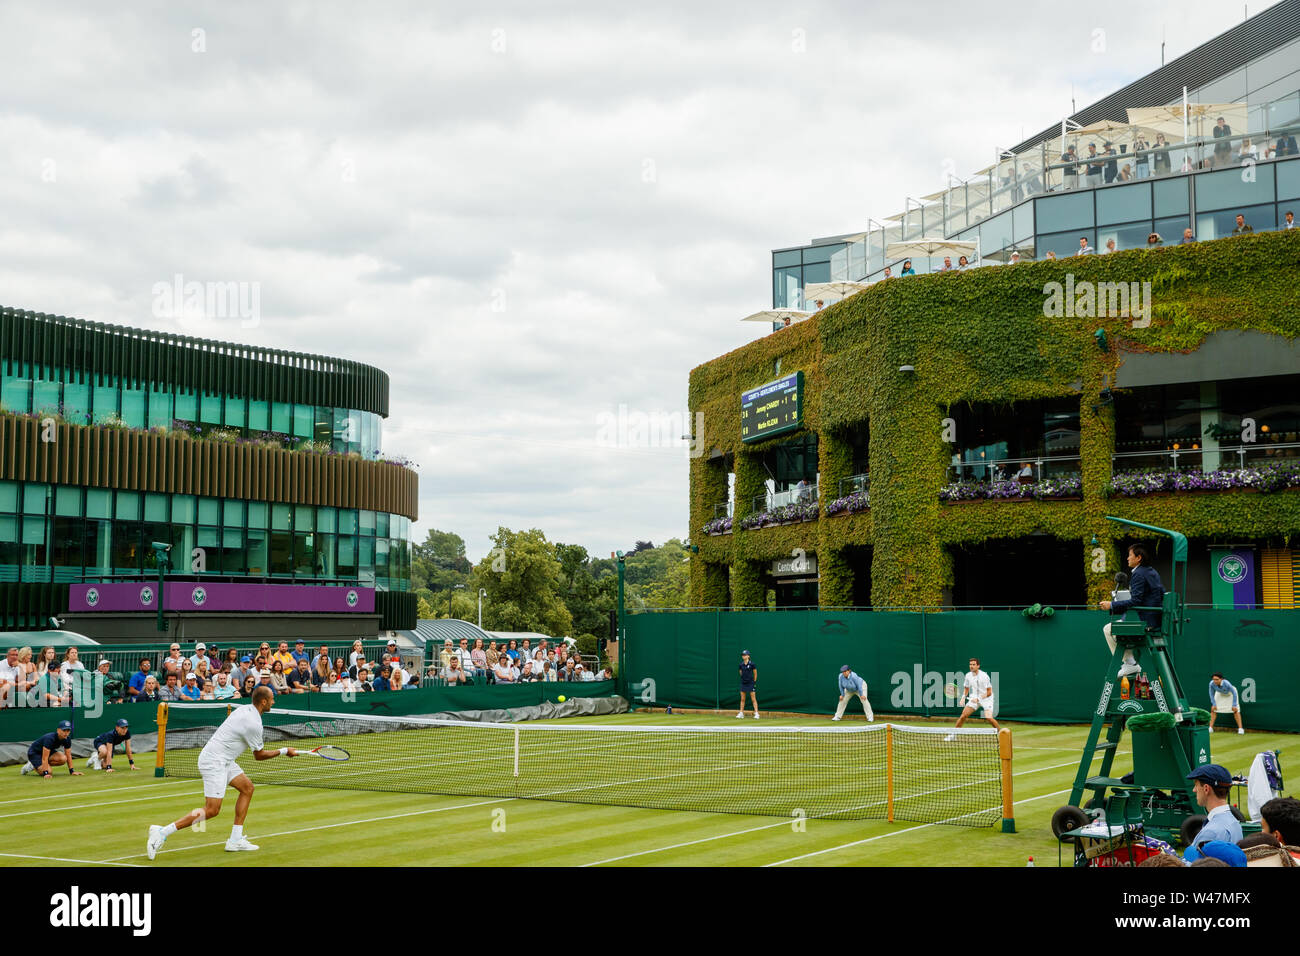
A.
pixel 772 409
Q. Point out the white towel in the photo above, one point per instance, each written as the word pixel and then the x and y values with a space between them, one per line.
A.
pixel 1258 792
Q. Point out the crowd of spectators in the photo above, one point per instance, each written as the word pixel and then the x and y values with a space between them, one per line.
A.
pixel 514 662
pixel 1276 845
pixel 209 674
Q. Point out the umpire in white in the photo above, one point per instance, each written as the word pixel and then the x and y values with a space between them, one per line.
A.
pixel 850 684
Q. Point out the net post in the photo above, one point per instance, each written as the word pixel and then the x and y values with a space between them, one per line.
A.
pixel 516 751
pixel 889 771
pixel 1008 803
pixel 162 738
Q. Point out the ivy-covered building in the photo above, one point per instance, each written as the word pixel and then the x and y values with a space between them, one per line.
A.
pixel 261 469
pixel 959 438
pixel 958 441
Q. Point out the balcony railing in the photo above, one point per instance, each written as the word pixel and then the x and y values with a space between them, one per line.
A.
pixel 854 484
pixel 1198 458
pixel 772 500
pixel 1039 171
pixel 724 509
pixel 1029 469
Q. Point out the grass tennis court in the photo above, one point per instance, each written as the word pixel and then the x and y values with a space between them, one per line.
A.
pixel 104 818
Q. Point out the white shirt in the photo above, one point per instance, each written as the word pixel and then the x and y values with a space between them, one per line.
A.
pixel 241 731
pixel 65 672
pixel 14 675
pixel 977 684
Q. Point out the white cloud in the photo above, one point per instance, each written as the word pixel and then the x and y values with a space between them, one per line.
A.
pixel 527 214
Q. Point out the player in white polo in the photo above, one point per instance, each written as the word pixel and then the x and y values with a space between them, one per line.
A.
pixel 977 692
pixel 241 731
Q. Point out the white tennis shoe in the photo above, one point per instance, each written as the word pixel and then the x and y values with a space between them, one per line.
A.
pixel 233 846
pixel 1241 730
pixel 741 715
pixel 756 715
pixel 155 841
pixel 950 738
pixel 26 769
pixel 834 718
pixel 1130 669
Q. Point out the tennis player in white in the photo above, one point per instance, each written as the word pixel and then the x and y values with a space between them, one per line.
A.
pixel 977 692
pixel 241 731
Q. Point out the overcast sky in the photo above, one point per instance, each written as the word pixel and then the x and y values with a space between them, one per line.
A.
pixel 527 213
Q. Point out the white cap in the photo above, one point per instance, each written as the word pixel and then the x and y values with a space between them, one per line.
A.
pixel 200 646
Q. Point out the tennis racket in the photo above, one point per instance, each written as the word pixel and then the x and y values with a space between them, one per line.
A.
pixel 953 692
pixel 327 752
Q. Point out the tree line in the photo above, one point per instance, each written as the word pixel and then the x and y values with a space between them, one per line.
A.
pixel 533 584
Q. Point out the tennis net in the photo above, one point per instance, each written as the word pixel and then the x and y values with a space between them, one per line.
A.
pixel 863 771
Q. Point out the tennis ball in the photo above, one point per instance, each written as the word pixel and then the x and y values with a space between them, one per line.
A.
pixel 560 698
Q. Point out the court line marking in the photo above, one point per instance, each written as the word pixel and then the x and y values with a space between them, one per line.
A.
pixel 84 806
pixel 63 859
pixel 677 846
pixel 324 826
pixel 882 836
pixel 786 823
pixel 85 793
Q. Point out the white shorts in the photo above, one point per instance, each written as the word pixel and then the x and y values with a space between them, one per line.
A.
pixel 217 777
pixel 984 703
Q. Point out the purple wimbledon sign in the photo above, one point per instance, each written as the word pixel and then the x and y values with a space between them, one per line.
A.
pixel 198 596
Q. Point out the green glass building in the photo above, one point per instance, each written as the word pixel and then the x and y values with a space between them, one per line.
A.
pixel 254 464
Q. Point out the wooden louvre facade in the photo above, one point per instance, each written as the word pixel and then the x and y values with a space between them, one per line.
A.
pixel 95 351
pixel 105 457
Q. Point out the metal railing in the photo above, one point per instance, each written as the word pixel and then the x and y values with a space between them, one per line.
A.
pixel 125 658
pixel 1026 469
pixel 854 484
pixel 1039 171
pixel 772 500
pixel 1197 457
pixel 724 509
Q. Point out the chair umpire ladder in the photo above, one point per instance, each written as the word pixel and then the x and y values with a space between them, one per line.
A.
pixel 1151 648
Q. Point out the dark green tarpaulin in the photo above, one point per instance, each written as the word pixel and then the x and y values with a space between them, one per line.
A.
pixel 1047 670
pixel 25 724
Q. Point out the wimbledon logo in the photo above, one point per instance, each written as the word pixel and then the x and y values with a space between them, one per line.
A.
pixel 352 598
pixel 146 595
pixel 92 596
pixel 199 596
pixel 1232 570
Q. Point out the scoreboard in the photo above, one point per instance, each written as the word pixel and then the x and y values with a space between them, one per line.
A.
pixel 772 409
